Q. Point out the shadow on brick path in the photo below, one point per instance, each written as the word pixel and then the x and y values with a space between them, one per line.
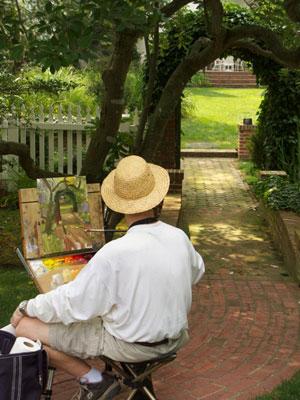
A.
pixel 244 322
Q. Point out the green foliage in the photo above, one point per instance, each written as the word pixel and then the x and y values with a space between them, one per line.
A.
pixel 17 180
pixel 10 237
pixel 178 37
pixel 179 34
pixel 133 89
pixel 188 105
pixel 15 284
pixel 60 33
pixel 276 144
pixel 67 87
pixel 250 173
pixel 278 193
pixel 122 147
pixel 199 80
pixel 32 87
pixel 236 15
pixel 271 14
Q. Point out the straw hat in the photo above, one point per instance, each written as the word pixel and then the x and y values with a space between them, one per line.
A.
pixel 135 186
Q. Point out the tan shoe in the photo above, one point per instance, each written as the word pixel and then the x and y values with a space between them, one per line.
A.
pixel 104 390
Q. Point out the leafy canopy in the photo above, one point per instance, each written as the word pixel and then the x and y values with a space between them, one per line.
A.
pixel 60 33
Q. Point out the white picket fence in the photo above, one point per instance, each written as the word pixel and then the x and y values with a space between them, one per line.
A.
pixel 56 142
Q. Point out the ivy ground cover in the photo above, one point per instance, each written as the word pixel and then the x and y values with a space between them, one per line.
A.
pixel 212 115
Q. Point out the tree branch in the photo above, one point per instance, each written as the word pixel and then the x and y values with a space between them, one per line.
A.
pixel 287 57
pixel 147 103
pixel 216 11
pixel 20 18
pixel 174 6
pixel 206 16
pixel 147 48
pixel 292 8
pixel 27 163
pixel 255 48
pixel 198 46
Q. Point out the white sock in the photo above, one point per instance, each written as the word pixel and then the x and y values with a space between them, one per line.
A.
pixel 93 376
pixel 9 328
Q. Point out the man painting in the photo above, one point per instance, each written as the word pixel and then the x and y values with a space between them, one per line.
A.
pixel 130 302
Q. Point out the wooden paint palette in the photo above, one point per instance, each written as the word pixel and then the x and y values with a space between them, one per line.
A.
pixel 50 268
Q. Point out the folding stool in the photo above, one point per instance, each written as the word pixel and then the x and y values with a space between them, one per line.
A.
pixel 135 380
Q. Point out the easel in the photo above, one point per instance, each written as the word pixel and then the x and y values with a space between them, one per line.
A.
pixel 32 242
pixel 32 232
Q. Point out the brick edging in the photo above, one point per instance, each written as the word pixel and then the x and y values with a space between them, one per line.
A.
pixel 222 153
pixel 283 226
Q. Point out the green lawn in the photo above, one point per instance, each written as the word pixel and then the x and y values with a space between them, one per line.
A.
pixel 15 284
pixel 288 390
pixel 214 114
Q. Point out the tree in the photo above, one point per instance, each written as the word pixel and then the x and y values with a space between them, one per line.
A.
pixel 63 32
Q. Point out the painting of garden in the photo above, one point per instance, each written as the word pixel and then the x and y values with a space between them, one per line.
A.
pixel 64 214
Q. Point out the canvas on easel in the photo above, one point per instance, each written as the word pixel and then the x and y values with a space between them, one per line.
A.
pixel 55 219
pixel 64 214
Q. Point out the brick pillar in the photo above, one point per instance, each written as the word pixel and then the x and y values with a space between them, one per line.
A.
pixel 176 178
pixel 245 133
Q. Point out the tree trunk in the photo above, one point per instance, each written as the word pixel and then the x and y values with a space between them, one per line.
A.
pixel 178 134
pixel 171 96
pixel 112 107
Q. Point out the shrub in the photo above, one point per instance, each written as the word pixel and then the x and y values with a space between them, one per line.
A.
pixel 276 144
pixel 278 193
pixel 250 173
pixel 187 104
pixel 133 89
pixel 199 80
pixel 17 180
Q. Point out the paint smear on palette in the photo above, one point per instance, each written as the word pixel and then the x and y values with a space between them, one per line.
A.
pixel 43 266
pixel 64 214
pixel 53 272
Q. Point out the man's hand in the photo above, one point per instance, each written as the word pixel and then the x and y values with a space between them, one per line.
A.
pixel 16 317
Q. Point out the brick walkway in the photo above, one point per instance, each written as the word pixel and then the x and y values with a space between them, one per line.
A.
pixel 244 323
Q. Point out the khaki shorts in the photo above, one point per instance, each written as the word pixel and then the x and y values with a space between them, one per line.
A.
pixel 90 339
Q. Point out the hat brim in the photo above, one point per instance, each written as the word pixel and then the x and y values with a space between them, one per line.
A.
pixel 128 206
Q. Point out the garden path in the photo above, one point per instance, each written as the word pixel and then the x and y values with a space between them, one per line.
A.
pixel 244 322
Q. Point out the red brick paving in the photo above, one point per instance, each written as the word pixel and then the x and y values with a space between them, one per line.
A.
pixel 244 327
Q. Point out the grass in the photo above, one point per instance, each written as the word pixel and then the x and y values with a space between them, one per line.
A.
pixel 250 174
pixel 214 113
pixel 15 284
pixel 288 390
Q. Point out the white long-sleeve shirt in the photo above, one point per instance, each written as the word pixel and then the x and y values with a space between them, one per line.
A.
pixel 139 284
